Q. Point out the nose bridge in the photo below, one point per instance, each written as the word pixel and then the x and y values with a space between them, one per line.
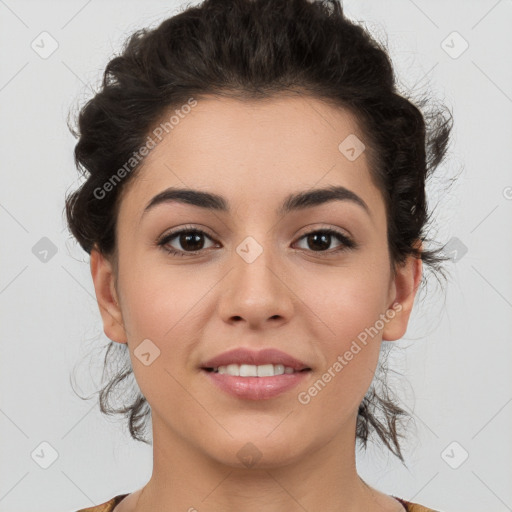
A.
pixel 256 291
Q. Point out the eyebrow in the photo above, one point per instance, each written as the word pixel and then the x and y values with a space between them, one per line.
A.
pixel 293 202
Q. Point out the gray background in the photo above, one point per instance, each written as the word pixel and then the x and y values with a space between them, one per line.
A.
pixel 455 358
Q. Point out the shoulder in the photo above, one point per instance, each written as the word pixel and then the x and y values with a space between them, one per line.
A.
pixel 414 507
pixel 108 506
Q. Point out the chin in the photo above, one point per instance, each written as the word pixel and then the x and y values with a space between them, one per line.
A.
pixel 258 450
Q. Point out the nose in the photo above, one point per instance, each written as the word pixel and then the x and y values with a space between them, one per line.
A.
pixel 257 292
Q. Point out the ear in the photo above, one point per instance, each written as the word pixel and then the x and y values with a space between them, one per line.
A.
pixel 404 287
pixel 104 285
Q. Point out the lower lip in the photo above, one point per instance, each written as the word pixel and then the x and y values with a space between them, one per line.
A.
pixel 256 388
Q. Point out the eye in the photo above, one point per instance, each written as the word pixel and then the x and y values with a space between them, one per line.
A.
pixel 321 239
pixel 190 239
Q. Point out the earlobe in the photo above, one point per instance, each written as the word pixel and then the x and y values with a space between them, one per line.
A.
pixel 104 286
pixel 406 284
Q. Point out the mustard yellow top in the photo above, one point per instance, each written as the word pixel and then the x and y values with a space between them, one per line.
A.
pixel 109 505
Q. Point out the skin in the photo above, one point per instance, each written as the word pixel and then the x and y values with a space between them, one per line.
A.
pixel 194 307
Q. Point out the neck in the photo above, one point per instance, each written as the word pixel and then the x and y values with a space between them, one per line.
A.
pixel 184 479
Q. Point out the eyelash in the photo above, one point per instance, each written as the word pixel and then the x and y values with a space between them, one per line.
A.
pixel 346 242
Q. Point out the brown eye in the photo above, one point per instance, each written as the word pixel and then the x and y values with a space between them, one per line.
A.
pixel 190 240
pixel 320 240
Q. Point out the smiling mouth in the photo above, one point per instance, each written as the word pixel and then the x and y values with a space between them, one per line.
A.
pixel 250 370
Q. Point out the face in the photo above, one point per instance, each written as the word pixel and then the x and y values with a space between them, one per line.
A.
pixel 309 280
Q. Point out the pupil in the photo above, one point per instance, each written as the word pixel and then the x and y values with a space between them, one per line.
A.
pixel 324 237
pixel 195 237
pixel 194 241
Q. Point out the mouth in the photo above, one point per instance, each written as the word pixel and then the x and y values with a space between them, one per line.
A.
pixel 254 375
pixel 248 363
pixel 251 370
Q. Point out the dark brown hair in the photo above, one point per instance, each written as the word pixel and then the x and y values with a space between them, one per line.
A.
pixel 255 49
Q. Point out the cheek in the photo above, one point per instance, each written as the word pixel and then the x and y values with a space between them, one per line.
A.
pixel 160 301
pixel 351 307
pixel 169 307
pixel 348 302
pixel 160 306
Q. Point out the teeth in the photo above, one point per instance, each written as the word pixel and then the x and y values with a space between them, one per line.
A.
pixel 251 370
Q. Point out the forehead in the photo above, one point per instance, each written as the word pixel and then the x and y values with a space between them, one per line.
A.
pixel 254 151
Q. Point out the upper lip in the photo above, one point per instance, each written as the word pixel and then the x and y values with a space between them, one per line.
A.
pixel 246 356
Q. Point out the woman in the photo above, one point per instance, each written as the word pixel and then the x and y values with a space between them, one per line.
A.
pixel 255 216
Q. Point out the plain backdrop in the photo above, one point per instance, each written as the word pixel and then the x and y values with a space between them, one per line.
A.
pixel 455 359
